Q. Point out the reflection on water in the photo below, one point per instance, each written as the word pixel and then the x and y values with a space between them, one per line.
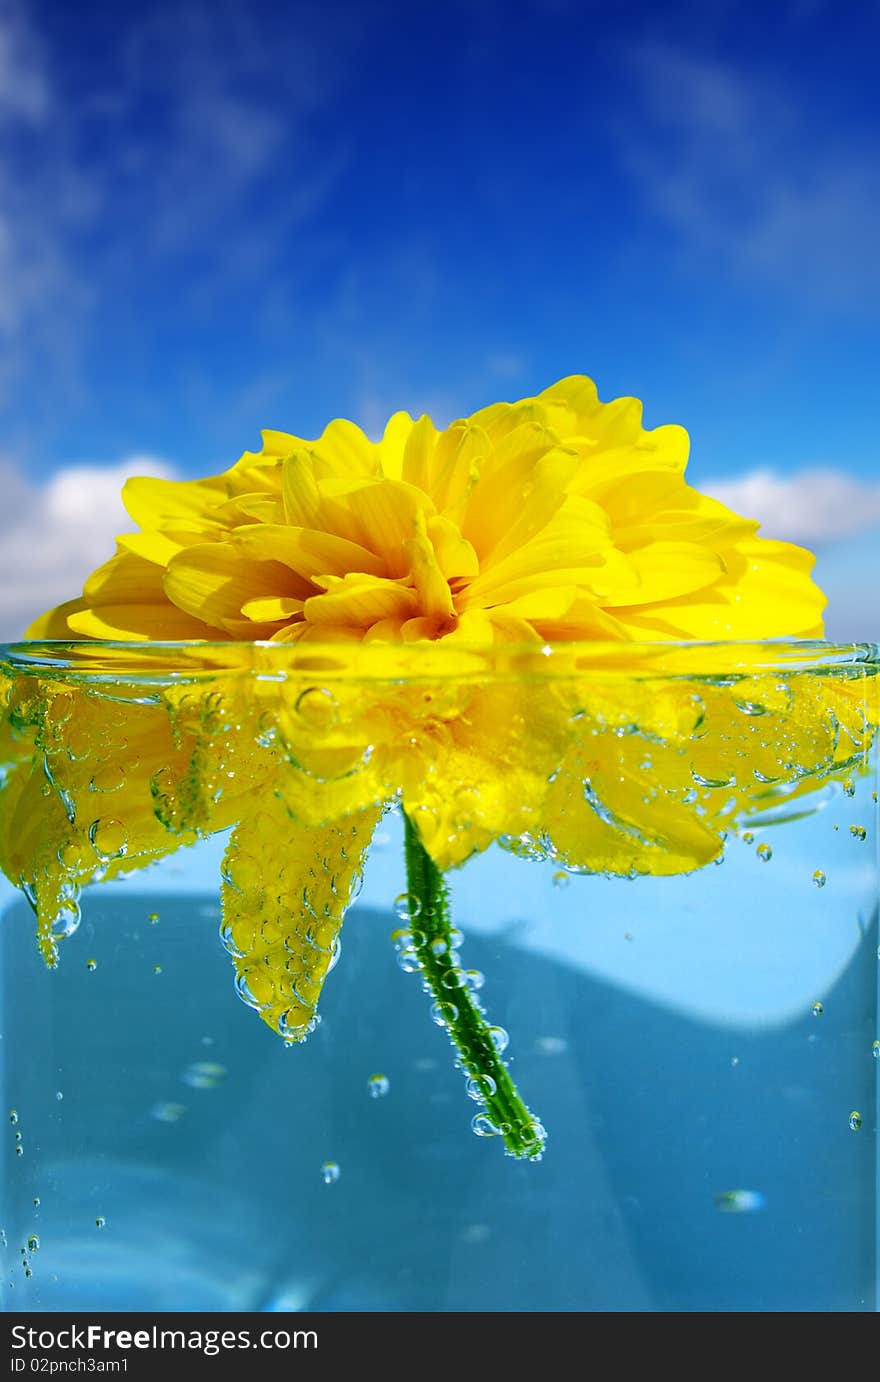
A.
pixel 195 1163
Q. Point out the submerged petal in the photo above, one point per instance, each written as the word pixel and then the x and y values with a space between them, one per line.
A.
pixel 286 889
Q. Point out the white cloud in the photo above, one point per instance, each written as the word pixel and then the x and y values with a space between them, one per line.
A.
pixel 810 506
pixel 24 91
pixel 54 535
pixel 165 154
pixel 737 165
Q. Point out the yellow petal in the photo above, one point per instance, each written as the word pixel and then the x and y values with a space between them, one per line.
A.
pixel 158 547
pixel 54 623
pixel 393 445
pixel 568 549
pixel 152 503
pixel 307 552
pixel 455 555
pixel 432 589
pixel 508 490
pixel 458 456
pixel 245 508
pixel 286 889
pixel 343 450
pixel 271 609
pixel 551 604
pixel 214 580
pixel 142 623
pixel 125 579
pixel 276 446
pixel 665 571
pixel 359 601
pixel 381 516
pixel 299 488
pixel 765 593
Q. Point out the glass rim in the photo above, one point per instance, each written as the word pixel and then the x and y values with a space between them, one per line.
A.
pixel 96 661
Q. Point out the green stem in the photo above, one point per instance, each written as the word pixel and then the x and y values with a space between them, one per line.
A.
pixel 502 1110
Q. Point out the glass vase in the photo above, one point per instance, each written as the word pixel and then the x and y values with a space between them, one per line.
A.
pixel 659 881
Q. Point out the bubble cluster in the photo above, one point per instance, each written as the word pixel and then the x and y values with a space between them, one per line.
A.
pixel 204 1074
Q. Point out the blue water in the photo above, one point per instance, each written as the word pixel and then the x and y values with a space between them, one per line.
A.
pixel 700 1154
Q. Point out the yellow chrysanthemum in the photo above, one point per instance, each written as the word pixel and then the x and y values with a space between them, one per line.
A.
pixel 480 624
pixel 555 518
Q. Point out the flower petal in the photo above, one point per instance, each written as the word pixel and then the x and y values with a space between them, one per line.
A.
pixel 358 601
pixel 152 503
pixel 306 551
pixel 214 580
pixel 142 623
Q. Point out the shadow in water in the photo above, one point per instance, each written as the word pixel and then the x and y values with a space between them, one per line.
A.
pixel 210 1183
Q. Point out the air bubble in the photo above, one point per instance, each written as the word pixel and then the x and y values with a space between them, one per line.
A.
pixel 453 979
pixel 317 708
pixel 748 838
pixel 67 919
pixel 858 832
pixel 335 952
pixel 499 1037
pixel 483 1126
pixel 875 1049
pixel 455 938
pixel 33 1243
pixel 855 1120
pixel 266 730
pixel 13 1115
pixel 108 838
pixel 100 1221
pixel 474 978
pixel 378 1086
pixel 107 779
pixel 818 1009
pixel 443 1013
pixel 849 787
pixel 712 781
pixel 157 969
pixel 330 1172
pixel 153 918
pixel 91 965
pixel 480 1088
pixel 750 707
pixel 407 906
pixel 438 947
pixel 408 961
pixel 819 878
pixel 561 879
pixel 764 853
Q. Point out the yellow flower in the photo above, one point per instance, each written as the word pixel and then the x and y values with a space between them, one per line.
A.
pixel 553 519
pixel 482 624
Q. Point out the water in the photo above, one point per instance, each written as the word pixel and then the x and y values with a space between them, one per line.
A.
pixel 701 1050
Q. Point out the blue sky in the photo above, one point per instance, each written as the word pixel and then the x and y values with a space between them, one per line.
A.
pixel 221 217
